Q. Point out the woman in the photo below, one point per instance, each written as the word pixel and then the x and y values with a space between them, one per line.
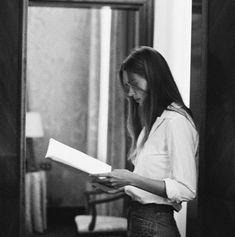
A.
pixel 164 146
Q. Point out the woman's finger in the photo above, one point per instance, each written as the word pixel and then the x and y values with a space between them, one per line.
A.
pixel 101 175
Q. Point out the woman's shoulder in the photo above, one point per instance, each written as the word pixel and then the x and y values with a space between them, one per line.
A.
pixel 175 119
pixel 171 114
pixel 177 115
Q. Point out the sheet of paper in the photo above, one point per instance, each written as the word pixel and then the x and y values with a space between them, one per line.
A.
pixel 67 155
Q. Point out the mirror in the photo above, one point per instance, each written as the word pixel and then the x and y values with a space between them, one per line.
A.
pixel 74 50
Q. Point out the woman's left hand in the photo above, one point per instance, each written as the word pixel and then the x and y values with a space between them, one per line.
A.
pixel 117 178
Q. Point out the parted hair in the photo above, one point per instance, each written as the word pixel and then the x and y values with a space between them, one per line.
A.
pixel 161 92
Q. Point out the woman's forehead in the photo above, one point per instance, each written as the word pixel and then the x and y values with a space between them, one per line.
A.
pixel 131 76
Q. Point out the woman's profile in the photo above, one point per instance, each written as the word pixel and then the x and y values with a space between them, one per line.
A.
pixel 164 146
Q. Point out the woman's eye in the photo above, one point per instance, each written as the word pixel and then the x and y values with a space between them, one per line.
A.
pixel 126 87
pixel 133 83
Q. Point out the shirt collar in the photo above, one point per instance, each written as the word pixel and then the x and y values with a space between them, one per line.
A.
pixel 172 107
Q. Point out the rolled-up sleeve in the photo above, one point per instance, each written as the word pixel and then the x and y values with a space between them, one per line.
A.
pixel 182 142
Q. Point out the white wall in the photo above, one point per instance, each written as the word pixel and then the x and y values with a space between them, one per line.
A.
pixel 172 38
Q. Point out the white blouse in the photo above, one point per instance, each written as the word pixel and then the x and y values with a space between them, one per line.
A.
pixel 169 154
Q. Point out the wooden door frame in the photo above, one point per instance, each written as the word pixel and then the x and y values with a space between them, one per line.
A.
pixel 146 17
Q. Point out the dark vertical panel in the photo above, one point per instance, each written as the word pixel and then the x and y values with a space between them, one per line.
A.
pixel 195 212
pixel 146 23
pixel 202 117
pixel 10 98
pixel 219 202
pixel 196 72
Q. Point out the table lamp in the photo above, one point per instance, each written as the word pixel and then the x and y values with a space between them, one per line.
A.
pixel 33 129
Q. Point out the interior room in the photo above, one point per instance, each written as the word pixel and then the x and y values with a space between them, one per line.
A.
pixel 59 79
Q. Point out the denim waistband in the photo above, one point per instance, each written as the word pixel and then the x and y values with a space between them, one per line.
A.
pixel 151 206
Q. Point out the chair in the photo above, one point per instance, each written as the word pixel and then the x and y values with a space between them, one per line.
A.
pixel 98 225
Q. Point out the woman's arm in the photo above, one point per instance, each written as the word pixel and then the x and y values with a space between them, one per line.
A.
pixel 122 177
pixel 181 186
pixel 182 142
pixel 157 187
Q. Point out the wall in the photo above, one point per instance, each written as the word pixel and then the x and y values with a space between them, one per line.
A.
pixel 172 38
pixel 58 52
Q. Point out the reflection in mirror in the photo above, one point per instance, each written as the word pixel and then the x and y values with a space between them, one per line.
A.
pixel 73 58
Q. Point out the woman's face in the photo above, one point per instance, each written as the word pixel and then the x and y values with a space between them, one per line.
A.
pixel 135 86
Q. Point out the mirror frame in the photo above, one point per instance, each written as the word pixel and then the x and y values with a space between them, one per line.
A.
pixel 145 32
pixel 144 7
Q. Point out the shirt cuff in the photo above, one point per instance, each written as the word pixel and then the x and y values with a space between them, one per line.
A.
pixel 171 190
pixel 177 192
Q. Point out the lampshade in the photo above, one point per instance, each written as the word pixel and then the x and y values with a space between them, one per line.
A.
pixel 33 126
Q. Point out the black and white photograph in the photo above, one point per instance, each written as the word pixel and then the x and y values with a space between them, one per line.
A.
pixel 117 118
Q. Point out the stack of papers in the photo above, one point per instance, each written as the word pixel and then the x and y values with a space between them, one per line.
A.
pixel 67 155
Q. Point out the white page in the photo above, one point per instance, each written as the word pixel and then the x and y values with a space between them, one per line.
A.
pixel 67 155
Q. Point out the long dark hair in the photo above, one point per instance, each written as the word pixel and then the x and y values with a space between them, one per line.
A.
pixel 161 91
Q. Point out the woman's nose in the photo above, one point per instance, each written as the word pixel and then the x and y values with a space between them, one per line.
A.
pixel 131 92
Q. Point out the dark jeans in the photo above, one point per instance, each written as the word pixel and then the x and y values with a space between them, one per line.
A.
pixel 151 220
